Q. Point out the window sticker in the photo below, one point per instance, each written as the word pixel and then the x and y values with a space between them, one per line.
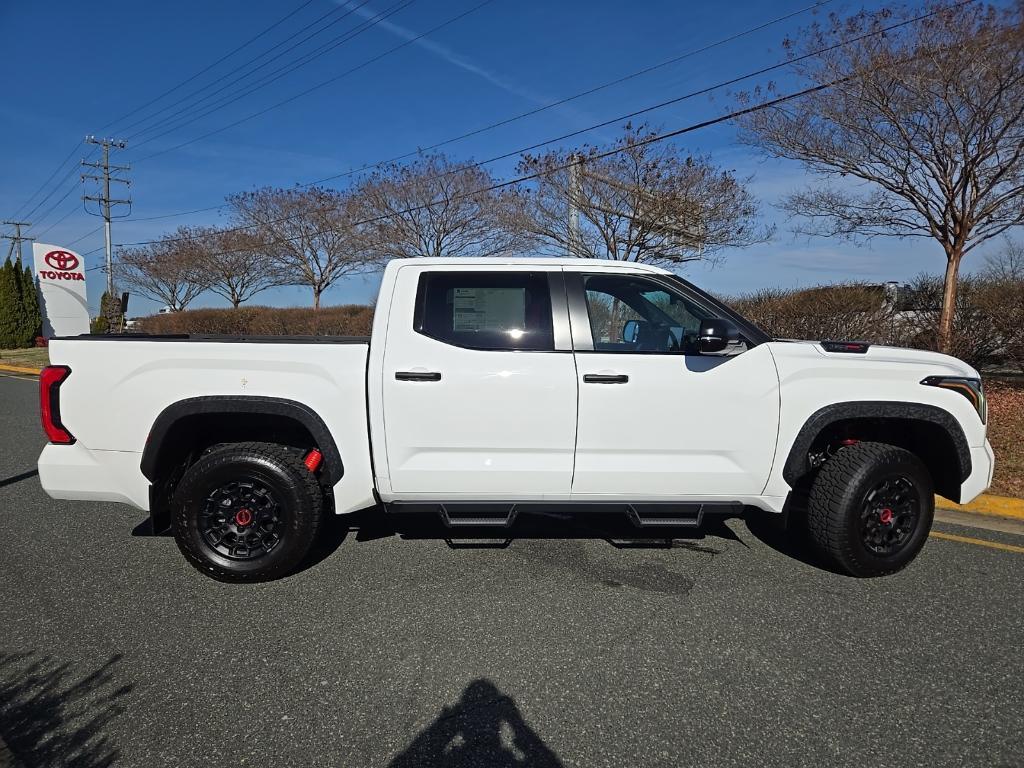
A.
pixel 488 309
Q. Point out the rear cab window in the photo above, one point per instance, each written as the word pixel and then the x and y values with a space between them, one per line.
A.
pixel 485 310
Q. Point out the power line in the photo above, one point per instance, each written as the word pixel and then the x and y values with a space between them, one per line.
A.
pixel 597 156
pixel 64 197
pixel 68 175
pixel 83 237
pixel 60 220
pixel 243 65
pixel 531 112
pixel 49 178
pixel 272 77
pixel 207 68
pixel 621 118
pixel 322 84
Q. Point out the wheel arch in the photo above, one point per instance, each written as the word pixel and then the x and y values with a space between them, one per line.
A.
pixel 930 432
pixel 272 412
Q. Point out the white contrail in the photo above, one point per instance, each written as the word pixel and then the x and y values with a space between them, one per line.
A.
pixel 447 54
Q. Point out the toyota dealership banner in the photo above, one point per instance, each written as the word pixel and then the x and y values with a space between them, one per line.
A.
pixel 61 276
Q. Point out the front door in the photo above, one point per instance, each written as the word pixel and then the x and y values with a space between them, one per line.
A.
pixel 657 419
pixel 479 388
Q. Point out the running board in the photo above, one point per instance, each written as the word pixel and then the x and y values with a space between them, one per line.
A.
pixel 463 514
pixel 502 514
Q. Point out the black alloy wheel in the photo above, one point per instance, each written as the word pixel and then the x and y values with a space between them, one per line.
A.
pixel 247 512
pixel 870 508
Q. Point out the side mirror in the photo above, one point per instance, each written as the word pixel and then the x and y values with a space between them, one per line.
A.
pixel 630 331
pixel 715 335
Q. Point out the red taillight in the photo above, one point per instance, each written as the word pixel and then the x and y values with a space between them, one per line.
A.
pixel 50 380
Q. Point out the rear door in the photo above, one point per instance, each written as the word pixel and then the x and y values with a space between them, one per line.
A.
pixel 479 384
pixel 657 419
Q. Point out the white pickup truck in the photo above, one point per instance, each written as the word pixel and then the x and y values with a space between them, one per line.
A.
pixel 493 387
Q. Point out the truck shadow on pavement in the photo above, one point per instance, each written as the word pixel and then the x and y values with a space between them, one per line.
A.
pixel 484 728
pixel 52 716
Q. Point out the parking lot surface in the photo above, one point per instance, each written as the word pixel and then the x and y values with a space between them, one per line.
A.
pixel 576 643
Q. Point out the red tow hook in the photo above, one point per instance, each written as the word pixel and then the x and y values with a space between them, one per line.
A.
pixel 313 459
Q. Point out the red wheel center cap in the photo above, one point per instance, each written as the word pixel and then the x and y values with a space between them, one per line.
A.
pixel 243 517
pixel 885 516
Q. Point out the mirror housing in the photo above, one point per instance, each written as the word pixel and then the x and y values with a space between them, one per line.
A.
pixel 630 331
pixel 715 335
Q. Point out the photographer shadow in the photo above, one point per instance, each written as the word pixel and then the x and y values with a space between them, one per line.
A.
pixel 485 728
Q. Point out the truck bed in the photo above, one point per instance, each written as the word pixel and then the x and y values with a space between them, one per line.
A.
pixel 119 385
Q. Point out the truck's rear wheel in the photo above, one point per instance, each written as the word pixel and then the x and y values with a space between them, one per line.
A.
pixel 247 512
pixel 871 508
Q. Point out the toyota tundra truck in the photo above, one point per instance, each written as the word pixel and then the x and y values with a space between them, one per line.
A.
pixel 491 387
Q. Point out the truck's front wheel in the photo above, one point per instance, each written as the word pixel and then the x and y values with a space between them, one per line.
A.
pixel 871 508
pixel 247 512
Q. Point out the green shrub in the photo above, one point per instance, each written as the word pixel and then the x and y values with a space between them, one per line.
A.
pixel 347 320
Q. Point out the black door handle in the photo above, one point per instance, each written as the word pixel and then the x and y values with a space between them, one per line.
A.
pixel 417 376
pixel 605 378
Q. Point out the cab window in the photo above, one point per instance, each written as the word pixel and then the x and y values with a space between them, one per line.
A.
pixel 486 310
pixel 635 314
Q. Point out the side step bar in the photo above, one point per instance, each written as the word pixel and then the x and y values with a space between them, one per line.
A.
pixel 502 514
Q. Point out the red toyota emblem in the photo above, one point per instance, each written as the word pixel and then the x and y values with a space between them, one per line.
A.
pixel 61 260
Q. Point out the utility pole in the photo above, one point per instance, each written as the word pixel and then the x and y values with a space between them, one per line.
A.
pixel 105 201
pixel 575 191
pixel 17 238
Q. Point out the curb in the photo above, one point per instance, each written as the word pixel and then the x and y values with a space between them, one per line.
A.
pixel 19 369
pixel 988 505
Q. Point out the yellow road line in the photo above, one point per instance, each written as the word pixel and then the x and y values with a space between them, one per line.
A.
pixel 979 542
pixel 987 504
pixel 19 369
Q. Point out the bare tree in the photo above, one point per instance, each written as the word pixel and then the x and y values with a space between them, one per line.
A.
pixel 649 201
pixel 438 207
pixel 171 271
pixel 238 264
pixel 1005 265
pixel 309 234
pixel 929 119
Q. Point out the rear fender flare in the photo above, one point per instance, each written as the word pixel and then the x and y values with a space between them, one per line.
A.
pixel 333 469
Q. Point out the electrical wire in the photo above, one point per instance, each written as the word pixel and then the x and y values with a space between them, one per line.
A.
pixel 320 85
pixel 188 119
pixel 531 112
pixel 597 156
pixel 241 67
pixel 83 237
pixel 49 178
pixel 621 118
pixel 207 68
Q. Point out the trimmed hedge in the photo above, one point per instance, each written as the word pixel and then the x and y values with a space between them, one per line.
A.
pixel 347 320
pixel 988 323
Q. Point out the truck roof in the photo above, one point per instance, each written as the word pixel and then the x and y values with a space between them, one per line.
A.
pixel 529 261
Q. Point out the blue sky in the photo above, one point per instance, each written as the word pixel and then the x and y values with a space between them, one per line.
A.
pixel 72 68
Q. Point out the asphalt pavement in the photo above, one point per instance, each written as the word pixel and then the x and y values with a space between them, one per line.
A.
pixel 577 643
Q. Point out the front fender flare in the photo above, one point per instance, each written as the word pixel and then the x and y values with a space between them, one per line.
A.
pixel 797 464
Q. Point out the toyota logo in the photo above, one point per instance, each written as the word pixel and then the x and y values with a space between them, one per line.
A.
pixel 61 260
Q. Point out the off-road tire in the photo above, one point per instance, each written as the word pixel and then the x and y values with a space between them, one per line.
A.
pixel 297 500
pixel 840 495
